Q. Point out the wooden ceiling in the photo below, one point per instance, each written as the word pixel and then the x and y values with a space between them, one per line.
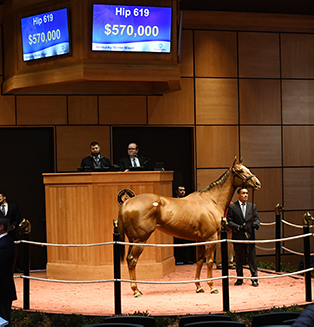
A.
pixel 300 7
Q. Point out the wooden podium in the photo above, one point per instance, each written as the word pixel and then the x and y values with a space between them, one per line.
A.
pixel 80 209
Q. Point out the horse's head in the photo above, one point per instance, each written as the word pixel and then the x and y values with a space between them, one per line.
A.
pixel 243 177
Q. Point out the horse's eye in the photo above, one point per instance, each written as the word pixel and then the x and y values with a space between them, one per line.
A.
pixel 241 171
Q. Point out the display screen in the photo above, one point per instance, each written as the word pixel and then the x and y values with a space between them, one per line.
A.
pixel 131 28
pixel 45 35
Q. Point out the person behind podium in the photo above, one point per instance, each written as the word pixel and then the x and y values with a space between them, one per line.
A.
pixel 133 159
pixel 95 161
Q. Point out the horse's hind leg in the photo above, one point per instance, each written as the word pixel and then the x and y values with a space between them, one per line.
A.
pixel 132 258
pixel 200 260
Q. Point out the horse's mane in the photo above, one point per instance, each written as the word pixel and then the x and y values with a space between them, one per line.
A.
pixel 219 181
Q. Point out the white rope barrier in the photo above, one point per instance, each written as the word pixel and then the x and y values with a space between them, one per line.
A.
pixel 64 245
pixel 67 281
pixel 163 282
pixel 290 224
pixel 27 277
pixel 268 224
pixel 170 245
pixel 273 240
pixel 265 249
pixel 291 251
pixel 294 252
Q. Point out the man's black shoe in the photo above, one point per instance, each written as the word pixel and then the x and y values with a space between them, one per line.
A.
pixel 238 282
pixel 254 283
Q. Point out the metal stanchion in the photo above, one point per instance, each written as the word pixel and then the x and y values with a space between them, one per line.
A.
pixel 27 229
pixel 224 261
pixel 278 209
pixel 307 256
pixel 117 268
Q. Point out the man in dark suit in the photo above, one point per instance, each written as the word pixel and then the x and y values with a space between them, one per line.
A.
pixel 133 159
pixel 242 223
pixel 95 161
pixel 10 211
pixel 7 262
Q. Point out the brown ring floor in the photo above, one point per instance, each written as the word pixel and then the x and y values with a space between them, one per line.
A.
pixel 172 299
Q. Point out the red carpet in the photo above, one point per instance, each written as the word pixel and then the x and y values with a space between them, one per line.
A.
pixel 172 299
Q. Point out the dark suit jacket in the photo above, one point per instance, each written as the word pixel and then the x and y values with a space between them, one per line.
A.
pixel 13 215
pixel 235 220
pixel 306 318
pixel 90 161
pixel 125 163
pixel 7 262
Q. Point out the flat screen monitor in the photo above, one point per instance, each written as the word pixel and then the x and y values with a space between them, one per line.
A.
pixel 45 35
pixel 131 28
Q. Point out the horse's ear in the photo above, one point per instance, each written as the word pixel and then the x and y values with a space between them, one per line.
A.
pixel 235 160
pixel 241 160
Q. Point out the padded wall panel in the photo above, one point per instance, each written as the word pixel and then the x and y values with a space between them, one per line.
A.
pixel 260 101
pixel 215 54
pixel 73 144
pixel 270 194
pixel 41 110
pixel 299 188
pixel 216 146
pixel 298 101
pixel 186 60
pixel 299 50
pixel 259 55
pixel 173 108
pixel 261 145
pixel 82 110
pixel 122 110
pixel 298 145
pixel 206 176
pixel 216 101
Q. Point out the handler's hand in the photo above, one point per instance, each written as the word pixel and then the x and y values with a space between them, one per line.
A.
pixel 256 226
pixel 243 228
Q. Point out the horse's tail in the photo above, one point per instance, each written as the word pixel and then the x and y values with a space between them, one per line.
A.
pixel 122 234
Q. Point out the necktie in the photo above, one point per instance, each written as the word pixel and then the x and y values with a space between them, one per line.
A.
pixel 243 208
pixel 134 163
pixel 2 209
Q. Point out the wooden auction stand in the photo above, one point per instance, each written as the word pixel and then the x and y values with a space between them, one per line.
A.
pixel 80 209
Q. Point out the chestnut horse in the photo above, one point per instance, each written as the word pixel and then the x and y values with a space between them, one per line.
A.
pixel 196 217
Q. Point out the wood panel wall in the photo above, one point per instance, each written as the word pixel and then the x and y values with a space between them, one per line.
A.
pixel 247 89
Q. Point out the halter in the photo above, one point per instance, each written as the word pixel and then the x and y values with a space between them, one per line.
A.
pixel 244 180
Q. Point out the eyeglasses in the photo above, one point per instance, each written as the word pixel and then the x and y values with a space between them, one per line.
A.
pixel 131 149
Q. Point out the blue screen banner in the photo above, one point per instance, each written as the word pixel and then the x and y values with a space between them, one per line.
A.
pixel 131 28
pixel 45 35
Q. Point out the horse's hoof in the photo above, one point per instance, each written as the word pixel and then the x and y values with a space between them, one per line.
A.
pixel 200 290
pixel 138 294
pixel 214 291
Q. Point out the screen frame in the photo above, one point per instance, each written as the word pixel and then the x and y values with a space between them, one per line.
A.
pixel 171 26
pixel 67 25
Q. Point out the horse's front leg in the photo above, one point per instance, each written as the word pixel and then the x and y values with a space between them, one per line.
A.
pixel 132 259
pixel 210 250
pixel 200 261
